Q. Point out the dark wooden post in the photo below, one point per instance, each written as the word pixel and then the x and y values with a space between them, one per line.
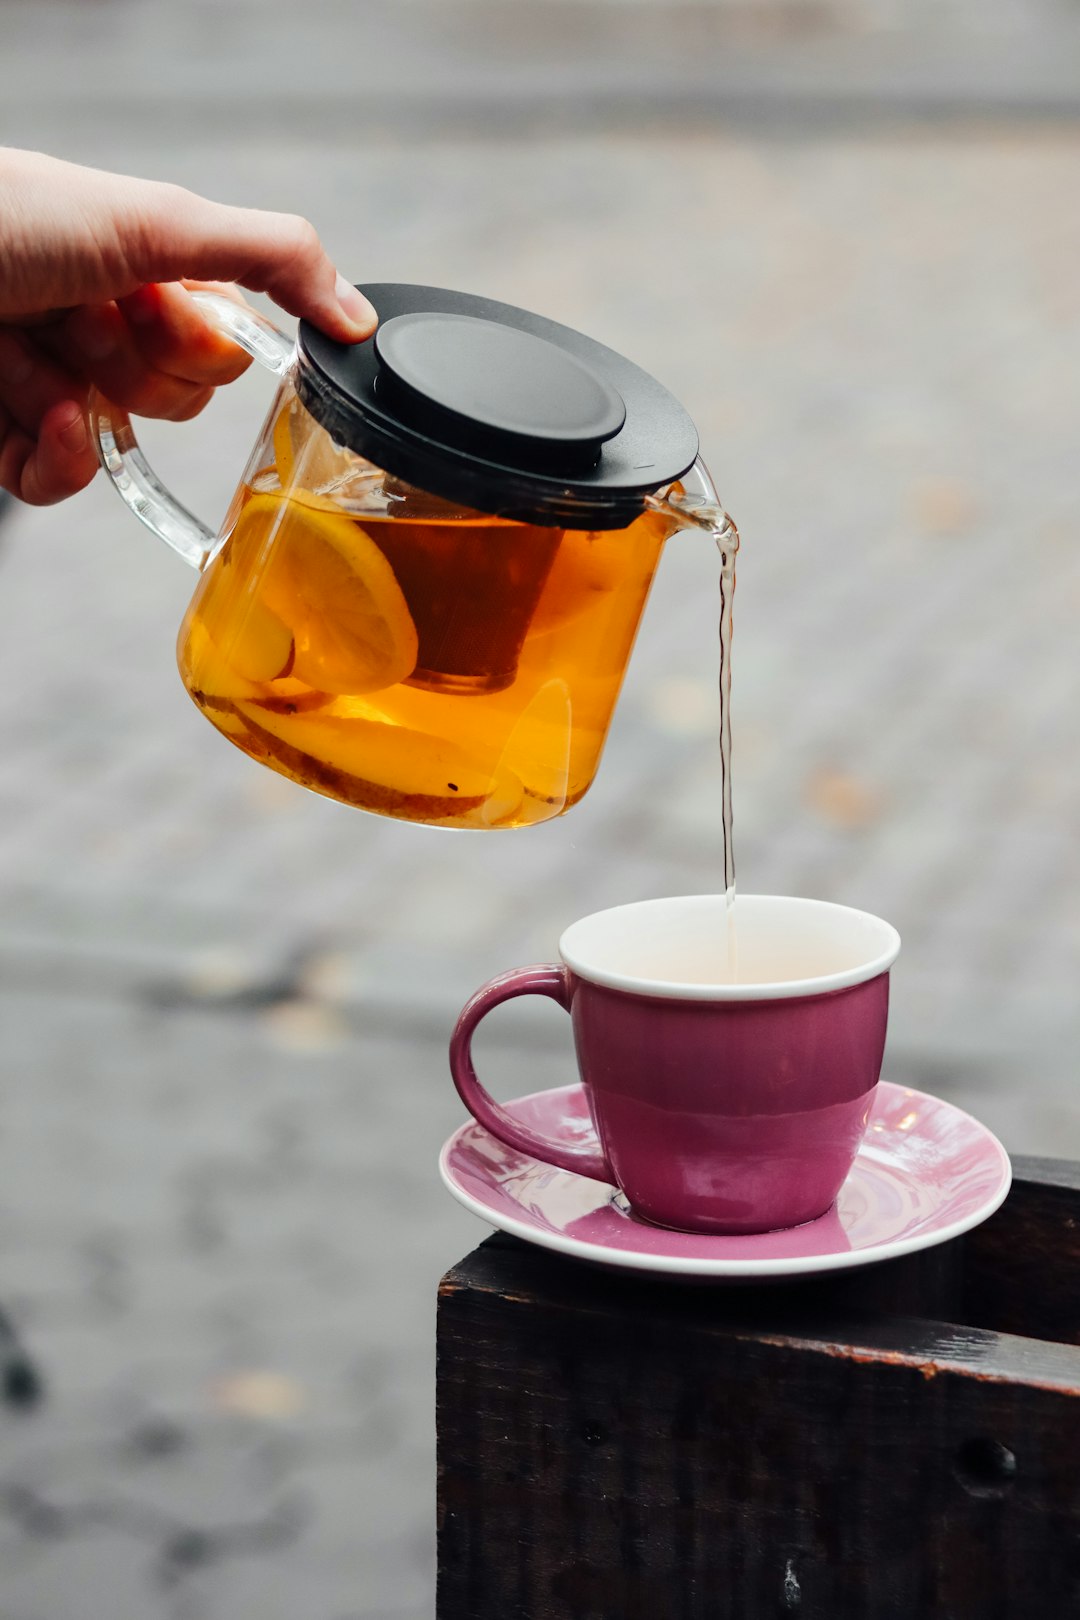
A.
pixel 897 1444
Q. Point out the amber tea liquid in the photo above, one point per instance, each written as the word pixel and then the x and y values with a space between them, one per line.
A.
pixel 459 671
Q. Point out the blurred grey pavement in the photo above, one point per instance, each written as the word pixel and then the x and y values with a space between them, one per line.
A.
pixel 845 233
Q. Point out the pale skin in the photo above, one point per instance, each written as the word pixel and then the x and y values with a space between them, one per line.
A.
pixel 95 275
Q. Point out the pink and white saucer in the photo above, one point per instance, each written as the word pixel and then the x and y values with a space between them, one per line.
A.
pixel 925 1173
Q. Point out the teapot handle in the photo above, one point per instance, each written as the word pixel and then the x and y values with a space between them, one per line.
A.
pixel 131 473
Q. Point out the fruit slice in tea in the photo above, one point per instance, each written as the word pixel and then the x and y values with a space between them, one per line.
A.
pixel 305 452
pixel 328 582
pixel 213 671
pixel 254 642
pixel 392 769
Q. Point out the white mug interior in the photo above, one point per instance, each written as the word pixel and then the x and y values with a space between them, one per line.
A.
pixel 691 948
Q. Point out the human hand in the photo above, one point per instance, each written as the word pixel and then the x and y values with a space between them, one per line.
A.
pixel 95 274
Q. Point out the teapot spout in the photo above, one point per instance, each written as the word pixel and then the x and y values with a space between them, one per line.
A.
pixel 693 504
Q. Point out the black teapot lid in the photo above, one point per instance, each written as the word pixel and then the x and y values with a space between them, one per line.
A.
pixel 498 409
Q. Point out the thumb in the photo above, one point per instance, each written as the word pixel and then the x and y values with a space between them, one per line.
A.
pixel 182 236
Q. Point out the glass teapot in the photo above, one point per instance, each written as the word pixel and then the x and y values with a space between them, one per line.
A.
pixel 425 591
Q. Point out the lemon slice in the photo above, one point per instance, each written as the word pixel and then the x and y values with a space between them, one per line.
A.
pixel 302 448
pixel 331 585
pixel 205 669
pixel 389 769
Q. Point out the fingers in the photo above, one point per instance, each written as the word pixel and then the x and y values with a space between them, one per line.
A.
pixel 46 372
pixel 45 449
pixel 30 383
pixel 65 460
pixel 78 235
pixel 109 353
pixel 197 401
pixel 56 463
pixel 173 336
pixel 184 235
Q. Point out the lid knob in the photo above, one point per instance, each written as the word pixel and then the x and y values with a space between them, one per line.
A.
pixel 495 391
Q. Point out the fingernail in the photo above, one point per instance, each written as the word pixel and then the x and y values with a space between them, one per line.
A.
pixel 74 436
pixel 93 337
pixel 354 304
pixel 16 366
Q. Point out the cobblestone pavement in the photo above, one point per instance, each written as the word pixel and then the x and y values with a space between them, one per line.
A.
pixel 225 1003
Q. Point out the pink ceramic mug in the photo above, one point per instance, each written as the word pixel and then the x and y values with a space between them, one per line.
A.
pixel 724 1100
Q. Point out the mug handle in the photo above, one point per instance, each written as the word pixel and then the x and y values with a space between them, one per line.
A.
pixel 118 449
pixel 545 979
